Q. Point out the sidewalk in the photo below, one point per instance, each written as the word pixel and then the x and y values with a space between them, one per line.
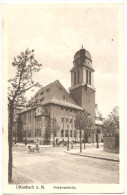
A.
pixel 97 153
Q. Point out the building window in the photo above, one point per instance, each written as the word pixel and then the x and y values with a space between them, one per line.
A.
pixel 35 132
pixel 42 93
pixel 66 109
pixel 67 120
pixel 39 131
pixel 62 133
pixel 70 110
pixel 64 98
pixel 74 133
pixel 41 100
pixel 70 133
pixel 78 77
pixel 62 119
pixel 74 111
pixel 55 133
pixel 66 133
pixel 74 123
pixel 89 77
pixel 30 117
pixel 29 133
pixel 48 89
pixel 86 76
pixel 74 78
pixel 24 118
pixel 70 120
pixel 61 107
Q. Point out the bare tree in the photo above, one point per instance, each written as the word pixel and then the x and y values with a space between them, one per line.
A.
pixel 83 122
pixel 54 128
pixel 25 64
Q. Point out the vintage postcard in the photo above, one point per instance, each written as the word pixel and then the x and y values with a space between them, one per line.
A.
pixel 63 94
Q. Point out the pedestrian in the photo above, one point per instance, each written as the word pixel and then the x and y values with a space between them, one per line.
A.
pixel 26 141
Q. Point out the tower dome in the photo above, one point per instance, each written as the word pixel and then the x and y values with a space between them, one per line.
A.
pixel 82 53
pixel 83 58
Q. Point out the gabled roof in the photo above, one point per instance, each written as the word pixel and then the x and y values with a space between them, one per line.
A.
pixel 54 93
pixel 54 90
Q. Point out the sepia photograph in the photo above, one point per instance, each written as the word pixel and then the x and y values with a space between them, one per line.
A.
pixel 63 111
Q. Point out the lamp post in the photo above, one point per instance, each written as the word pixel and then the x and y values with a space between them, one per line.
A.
pixel 68 138
pixel 80 140
pixel 97 138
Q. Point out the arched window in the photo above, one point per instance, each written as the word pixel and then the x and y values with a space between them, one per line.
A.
pixel 86 76
pixel 78 77
pixel 89 77
pixel 74 78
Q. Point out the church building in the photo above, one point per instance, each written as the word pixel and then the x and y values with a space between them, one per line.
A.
pixel 50 114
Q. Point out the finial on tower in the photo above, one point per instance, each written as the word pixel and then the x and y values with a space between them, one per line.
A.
pixel 82 46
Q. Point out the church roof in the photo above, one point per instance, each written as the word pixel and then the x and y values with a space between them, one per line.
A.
pixel 54 93
pixel 63 103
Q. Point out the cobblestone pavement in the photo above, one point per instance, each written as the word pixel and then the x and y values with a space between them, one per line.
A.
pixel 53 165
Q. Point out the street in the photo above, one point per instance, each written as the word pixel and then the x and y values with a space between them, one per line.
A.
pixel 53 165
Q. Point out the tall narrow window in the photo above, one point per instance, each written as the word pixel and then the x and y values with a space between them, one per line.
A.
pixel 89 77
pixel 78 77
pixel 70 133
pixel 62 133
pixel 86 76
pixel 66 133
pixel 74 78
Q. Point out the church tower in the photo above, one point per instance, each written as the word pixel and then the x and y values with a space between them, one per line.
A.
pixel 82 81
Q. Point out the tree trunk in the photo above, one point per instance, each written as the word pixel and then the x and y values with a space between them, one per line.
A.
pixel 80 140
pixel 10 142
pixel 75 139
pixel 97 140
pixel 53 138
pixel 84 139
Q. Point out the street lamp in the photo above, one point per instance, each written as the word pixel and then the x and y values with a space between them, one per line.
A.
pixel 97 138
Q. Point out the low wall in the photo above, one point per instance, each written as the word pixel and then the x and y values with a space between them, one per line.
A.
pixel 111 144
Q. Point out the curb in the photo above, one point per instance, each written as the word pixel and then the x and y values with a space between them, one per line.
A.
pixel 94 157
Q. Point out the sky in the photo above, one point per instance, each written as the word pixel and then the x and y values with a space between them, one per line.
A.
pixel 57 32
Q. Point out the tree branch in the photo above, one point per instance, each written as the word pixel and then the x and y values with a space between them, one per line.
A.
pixel 22 91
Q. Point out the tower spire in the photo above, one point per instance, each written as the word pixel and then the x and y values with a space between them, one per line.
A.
pixel 82 46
